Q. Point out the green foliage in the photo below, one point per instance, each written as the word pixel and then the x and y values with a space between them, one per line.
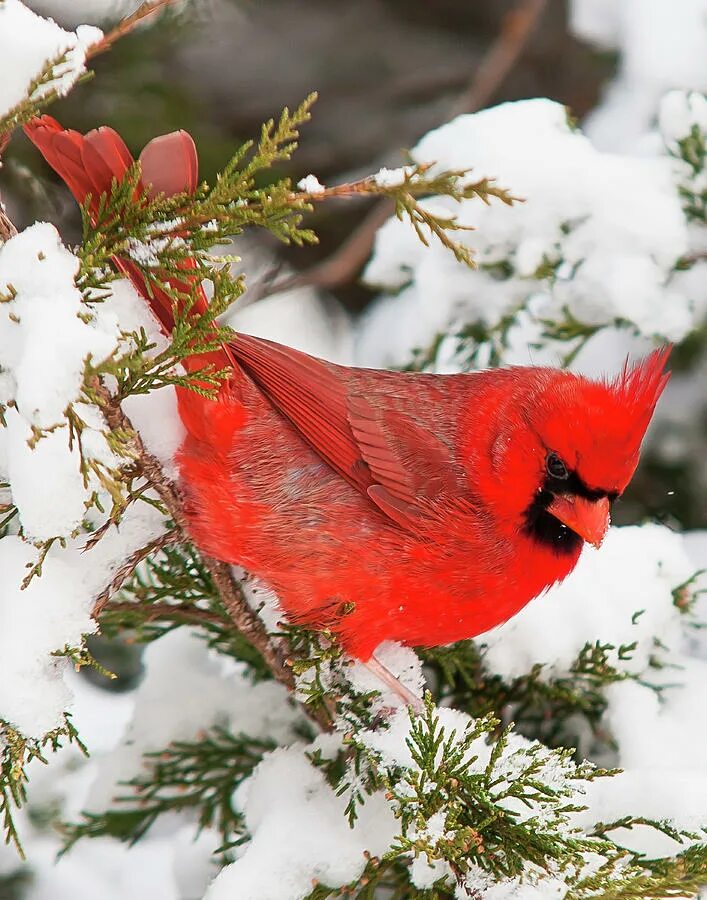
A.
pixel 546 708
pixel 171 588
pixel 494 809
pixel 454 807
pixel 198 776
pixel 17 751
pixel 454 184
pixel 691 150
pixel 41 91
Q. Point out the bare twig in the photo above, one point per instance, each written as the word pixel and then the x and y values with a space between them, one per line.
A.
pixel 169 611
pixel 7 229
pixel 502 55
pixel 128 24
pixel 129 566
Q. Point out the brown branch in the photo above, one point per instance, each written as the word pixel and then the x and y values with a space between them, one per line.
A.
pixel 169 611
pixel 516 29
pixel 274 651
pixel 128 567
pixel 128 24
pixel 341 266
pixel 7 229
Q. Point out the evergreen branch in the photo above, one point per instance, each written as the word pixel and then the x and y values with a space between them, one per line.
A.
pixel 199 775
pixel 476 807
pixel 173 587
pixel 16 753
pixel 39 94
pixel 127 568
pixel 405 185
pixel 542 706
pixel 683 875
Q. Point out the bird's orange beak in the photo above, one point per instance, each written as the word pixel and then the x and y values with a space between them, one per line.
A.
pixel 587 518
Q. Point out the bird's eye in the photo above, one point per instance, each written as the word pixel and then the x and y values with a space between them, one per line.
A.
pixel 556 468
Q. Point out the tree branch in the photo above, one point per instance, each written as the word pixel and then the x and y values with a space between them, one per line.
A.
pixel 128 24
pixel 501 57
pixel 170 611
pixel 341 266
pixel 128 567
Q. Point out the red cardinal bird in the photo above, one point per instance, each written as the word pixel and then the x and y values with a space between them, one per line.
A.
pixel 385 505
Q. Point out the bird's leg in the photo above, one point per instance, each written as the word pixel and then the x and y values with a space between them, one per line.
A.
pixel 386 676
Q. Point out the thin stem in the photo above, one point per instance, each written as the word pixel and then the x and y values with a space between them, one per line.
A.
pixel 169 611
pixel 128 567
pixel 128 24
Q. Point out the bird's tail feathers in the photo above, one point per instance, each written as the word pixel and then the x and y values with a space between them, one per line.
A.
pixel 169 165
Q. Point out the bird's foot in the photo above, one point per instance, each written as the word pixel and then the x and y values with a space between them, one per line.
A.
pixel 384 674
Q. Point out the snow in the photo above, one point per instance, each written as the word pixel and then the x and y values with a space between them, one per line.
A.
pixel 40 328
pixel 390 178
pixel 661 46
pixel 41 332
pixel 54 610
pixel 28 43
pixel 188 688
pixel 596 21
pixel 399 660
pixel 607 229
pixel 46 335
pixel 635 571
pixel 679 112
pixel 155 415
pixel 45 617
pixel 311 185
pixel 290 805
pixel 77 11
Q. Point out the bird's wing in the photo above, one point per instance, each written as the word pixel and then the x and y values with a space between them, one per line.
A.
pixel 378 448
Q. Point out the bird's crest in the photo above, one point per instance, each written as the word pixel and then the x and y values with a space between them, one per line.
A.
pixel 638 388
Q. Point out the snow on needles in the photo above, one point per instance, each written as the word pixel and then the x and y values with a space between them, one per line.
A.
pixel 29 45
pixel 54 611
pixel 597 235
pixel 624 595
pixel 290 805
pixel 46 335
pixel 44 344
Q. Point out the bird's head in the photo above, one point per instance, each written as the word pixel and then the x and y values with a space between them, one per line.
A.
pixel 573 450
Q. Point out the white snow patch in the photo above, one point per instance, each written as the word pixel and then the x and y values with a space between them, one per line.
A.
pixel 311 185
pixel 28 43
pixel 610 228
pixel 635 571
pixel 289 805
